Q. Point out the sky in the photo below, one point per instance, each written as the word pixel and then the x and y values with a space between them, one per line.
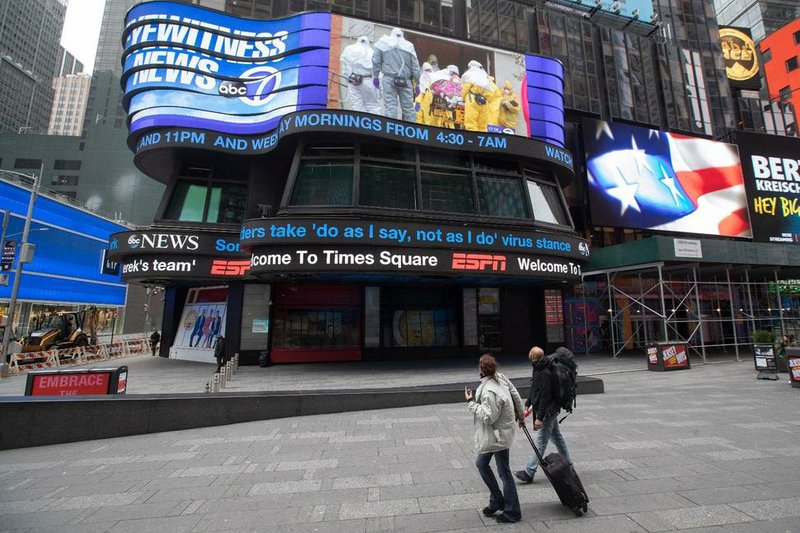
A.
pixel 82 29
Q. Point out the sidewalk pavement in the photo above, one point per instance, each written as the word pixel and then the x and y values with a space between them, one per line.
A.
pixel 157 375
pixel 709 449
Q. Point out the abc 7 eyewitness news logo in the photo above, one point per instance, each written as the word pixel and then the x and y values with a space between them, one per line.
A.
pixel 256 87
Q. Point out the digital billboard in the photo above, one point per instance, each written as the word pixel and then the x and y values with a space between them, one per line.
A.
pixel 654 180
pixel 771 166
pixel 741 59
pixel 186 66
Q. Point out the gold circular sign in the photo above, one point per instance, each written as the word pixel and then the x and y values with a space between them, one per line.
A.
pixel 739 50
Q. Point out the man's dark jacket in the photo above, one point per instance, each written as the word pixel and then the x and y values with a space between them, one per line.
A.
pixel 541 394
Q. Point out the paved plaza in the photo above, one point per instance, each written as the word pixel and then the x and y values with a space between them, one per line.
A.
pixel 710 449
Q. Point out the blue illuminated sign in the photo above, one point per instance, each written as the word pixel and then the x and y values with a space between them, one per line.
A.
pixel 69 251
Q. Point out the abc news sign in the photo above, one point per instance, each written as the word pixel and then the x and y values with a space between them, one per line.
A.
pixel 194 243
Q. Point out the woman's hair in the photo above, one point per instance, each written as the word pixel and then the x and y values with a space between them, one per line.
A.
pixel 488 365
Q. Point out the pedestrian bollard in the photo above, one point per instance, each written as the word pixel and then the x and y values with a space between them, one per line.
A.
pixel 223 378
pixel 208 386
pixel 236 361
pixel 229 370
pixel 215 383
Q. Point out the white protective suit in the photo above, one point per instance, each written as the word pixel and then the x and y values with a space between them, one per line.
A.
pixel 356 60
pixel 396 59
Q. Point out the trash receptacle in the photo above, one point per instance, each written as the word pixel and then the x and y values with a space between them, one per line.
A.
pixel 663 356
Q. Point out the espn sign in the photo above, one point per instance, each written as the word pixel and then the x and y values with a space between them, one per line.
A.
pixel 479 262
pixel 230 267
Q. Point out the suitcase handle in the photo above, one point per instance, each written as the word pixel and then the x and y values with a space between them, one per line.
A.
pixel 533 445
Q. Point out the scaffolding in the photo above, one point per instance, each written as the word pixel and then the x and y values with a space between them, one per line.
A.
pixel 712 308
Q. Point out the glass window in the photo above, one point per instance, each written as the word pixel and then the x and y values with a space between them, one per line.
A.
pixel 419 317
pixel 27 163
pixel 791 64
pixel 193 201
pixel 500 197
pixel 386 185
pixel 227 204
pixel 546 202
pixel 187 203
pixel 322 182
pixel 255 317
pixel 447 191
pixel 333 328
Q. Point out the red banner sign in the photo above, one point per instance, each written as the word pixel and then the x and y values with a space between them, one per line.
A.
pixel 70 384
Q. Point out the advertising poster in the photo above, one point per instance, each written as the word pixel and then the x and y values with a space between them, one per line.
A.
pixel 202 321
pixel 771 166
pixel 649 179
pixel 652 355
pixel 426 79
pixel 674 356
pixel 582 325
pixel 794 367
pixel 764 357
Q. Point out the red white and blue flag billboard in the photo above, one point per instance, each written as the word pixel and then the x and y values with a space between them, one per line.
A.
pixel 650 179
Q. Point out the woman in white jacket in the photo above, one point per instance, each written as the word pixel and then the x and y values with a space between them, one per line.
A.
pixel 496 408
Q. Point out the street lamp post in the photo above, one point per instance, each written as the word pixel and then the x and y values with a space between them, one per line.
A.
pixel 12 303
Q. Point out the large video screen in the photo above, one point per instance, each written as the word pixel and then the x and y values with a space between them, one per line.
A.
pixel 192 67
pixel 771 166
pixel 649 179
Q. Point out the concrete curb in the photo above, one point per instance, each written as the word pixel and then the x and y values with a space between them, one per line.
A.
pixel 40 421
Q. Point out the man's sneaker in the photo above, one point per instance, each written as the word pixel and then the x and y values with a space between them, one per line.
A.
pixel 523 476
pixel 503 519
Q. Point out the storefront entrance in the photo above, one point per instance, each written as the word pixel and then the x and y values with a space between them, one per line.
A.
pixel 315 323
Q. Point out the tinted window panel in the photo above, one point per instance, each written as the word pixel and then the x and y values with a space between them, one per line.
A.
pixel 500 197
pixel 385 185
pixel 187 203
pixel 324 183
pixel 447 191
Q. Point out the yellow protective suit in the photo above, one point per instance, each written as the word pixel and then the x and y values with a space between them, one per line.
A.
pixel 494 104
pixel 509 107
pixel 476 114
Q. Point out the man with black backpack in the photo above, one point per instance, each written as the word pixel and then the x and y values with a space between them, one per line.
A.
pixel 552 387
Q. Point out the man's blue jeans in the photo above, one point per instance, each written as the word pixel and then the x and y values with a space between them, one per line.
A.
pixel 507 500
pixel 550 430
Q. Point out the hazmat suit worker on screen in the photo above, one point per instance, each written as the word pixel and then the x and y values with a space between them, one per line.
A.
pixel 356 60
pixel 509 107
pixel 396 59
pixel 477 90
pixel 422 102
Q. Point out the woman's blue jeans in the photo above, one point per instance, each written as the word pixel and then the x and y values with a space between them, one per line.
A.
pixel 507 500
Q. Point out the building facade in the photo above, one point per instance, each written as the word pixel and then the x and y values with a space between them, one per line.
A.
pixel 69 104
pixel 29 57
pixel 780 53
pixel 301 223
pixel 67 64
pixel 762 17
pixel 317 231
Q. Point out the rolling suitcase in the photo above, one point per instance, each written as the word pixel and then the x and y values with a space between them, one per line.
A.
pixel 565 480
